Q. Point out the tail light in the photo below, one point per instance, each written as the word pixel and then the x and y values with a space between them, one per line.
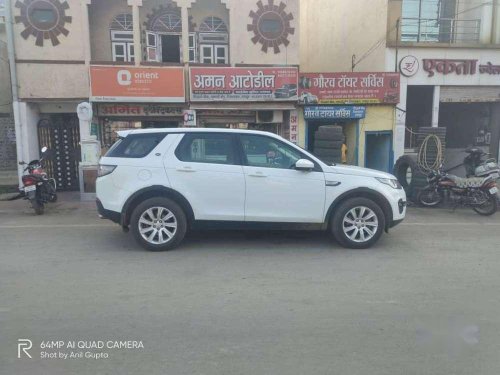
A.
pixel 38 171
pixel 29 180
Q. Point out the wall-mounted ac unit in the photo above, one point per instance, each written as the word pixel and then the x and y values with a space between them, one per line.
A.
pixel 269 117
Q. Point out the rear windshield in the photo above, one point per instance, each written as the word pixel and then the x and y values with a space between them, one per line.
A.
pixel 135 145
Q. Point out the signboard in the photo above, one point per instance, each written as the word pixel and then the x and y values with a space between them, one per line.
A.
pixel 459 67
pixel 334 113
pixel 243 84
pixel 189 117
pixel 130 84
pixel 349 88
pixel 138 110
pixel 294 127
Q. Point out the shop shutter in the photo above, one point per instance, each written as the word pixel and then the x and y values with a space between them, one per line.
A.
pixel 464 94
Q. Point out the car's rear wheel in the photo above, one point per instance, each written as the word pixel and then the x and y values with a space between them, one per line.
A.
pixel 158 224
pixel 358 223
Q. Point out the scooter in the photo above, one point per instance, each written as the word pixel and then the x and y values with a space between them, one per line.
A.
pixel 476 164
pixel 38 188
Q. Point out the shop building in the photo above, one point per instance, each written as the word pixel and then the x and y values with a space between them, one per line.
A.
pixel 448 56
pixel 363 104
pixel 130 60
pixel 344 79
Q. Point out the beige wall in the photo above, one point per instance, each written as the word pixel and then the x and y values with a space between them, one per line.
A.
pixel 332 31
pixel 242 48
pixel 101 14
pixel 71 47
pixel 48 81
pixel 205 8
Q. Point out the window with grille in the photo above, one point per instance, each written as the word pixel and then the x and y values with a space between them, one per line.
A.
pixel 214 41
pixel 122 38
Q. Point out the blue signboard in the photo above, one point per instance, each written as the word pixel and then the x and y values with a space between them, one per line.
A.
pixel 334 112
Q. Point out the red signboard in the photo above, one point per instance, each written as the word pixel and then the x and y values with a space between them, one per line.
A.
pixel 131 84
pixel 349 88
pixel 243 84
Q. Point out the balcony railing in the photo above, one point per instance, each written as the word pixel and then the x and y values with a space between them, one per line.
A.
pixel 440 30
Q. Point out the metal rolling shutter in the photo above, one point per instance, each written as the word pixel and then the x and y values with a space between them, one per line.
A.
pixel 464 94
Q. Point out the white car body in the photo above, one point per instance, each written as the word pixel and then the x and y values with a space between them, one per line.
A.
pixel 240 193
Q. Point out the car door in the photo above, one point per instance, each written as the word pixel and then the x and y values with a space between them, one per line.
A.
pixel 206 169
pixel 275 190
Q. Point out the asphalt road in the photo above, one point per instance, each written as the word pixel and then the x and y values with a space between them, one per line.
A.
pixel 425 300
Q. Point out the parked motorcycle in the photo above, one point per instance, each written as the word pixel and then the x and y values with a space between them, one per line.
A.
pixel 479 193
pixel 38 188
pixel 477 164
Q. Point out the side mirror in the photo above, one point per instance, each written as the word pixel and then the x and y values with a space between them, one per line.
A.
pixel 44 149
pixel 304 165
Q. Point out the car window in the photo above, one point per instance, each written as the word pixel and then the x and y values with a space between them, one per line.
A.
pixel 135 145
pixel 207 148
pixel 267 152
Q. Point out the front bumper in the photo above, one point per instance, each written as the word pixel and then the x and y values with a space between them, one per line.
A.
pixel 115 217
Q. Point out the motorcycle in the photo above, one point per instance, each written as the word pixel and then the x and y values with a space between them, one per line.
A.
pixel 38 188
pixel 476 164
pixel 479 193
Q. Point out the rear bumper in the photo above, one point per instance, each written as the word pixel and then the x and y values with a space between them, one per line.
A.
pixel 115 217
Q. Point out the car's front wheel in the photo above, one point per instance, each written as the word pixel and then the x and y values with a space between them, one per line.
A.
pixel 158 224
pixel 358 223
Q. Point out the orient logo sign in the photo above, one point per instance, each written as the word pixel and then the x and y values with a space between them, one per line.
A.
pixel 119 84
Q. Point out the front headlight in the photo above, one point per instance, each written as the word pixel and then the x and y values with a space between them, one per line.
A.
pixel 393 183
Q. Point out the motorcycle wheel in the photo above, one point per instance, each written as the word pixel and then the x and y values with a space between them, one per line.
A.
pixel 429 198
pixel 53 198
pixel 488 208
pixel 38 207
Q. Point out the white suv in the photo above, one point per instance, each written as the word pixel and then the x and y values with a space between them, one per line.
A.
pixel 160 182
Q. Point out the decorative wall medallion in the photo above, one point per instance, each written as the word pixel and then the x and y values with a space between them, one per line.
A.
pixel 44 19
pixel 271 26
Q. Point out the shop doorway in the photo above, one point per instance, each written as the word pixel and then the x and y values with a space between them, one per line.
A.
pixel 378 151
pixel 60 133
pixel 350 129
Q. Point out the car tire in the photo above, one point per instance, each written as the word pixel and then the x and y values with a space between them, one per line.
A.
pixel 328 144
pixel 167 219
pixel 353 238
pixel 332 137
pixel 327 152
pixel 331 129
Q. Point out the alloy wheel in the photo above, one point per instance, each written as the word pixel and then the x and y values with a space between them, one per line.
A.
pixel 157 225
pixel 360 224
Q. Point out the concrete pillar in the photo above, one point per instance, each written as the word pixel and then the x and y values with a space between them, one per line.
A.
pixel 495 130
pixel 486 23
pixel 29 118
pixel 137 34
pixel 400 124
pixel 435 106
pixel 185 34
pixel 86 31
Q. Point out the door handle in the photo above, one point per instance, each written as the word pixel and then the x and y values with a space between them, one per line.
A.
pixel 257 174
pixel 186 169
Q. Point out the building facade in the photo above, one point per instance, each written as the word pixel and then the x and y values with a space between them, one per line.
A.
pixel 344 43
pixel 448 54
pixel 148 64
